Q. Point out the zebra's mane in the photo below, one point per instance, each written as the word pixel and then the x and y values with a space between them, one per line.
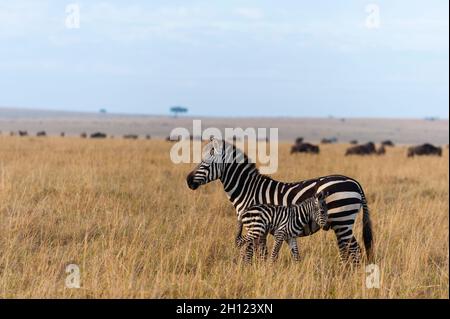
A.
pixel 240 157
pixel 238 153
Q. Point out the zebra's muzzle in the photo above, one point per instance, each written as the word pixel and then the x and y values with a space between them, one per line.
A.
pixel 191 183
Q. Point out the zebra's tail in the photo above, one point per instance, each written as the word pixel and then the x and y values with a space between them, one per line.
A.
pixel 367 229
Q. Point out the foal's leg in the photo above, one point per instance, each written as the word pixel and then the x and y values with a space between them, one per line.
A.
pixel 247 252
pixel 238 237
pixel 262 247
pixel 292 242
pixel 279 238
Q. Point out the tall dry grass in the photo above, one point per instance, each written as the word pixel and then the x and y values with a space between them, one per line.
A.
pixel 121 211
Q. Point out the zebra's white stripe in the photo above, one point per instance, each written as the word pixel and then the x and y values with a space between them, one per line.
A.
pixel 342 195
pixel 302 192
pixel 344 208
pixel 322 187
pixel 260 196
pixel 285 197
pixel 268 192
pixel 276 192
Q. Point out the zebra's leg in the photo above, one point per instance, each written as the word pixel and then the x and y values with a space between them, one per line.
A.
pixel 354 251
pixel 262 247
pixel 239 241
pixel 247 252
pixel 292 242
pixel 279 238
pixel 348 246
pixel 250 241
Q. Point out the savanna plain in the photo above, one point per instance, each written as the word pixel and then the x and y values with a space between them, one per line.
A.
pixel 121 211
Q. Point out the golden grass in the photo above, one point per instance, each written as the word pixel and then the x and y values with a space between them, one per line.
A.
pixel 121 211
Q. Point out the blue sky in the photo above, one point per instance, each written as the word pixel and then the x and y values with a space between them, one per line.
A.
pixel 228 58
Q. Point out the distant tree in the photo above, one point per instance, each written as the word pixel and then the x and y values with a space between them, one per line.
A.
pixel 103 111
pixel 178 110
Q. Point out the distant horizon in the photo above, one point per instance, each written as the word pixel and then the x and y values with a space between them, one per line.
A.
pixel 188 115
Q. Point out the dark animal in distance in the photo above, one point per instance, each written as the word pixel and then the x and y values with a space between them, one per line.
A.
pixel 83 135
pixel 23 133
pixel 381 150
pixel 330 140
pixel 387 143
pixel 424 149
pixel 305 148
pixel 131 137
pixel 174 138
pixel 98 135
pixel 41 134
pixel 354 142
pixel 364 149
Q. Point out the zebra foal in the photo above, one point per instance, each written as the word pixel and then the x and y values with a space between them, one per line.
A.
pixel 285 223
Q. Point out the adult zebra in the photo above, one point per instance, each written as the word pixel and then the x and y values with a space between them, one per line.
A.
pixel 246 186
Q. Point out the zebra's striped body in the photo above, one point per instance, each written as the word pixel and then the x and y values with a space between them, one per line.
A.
pixel 286 223
pixel 245 186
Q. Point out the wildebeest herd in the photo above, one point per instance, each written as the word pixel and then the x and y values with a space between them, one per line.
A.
pixel 300 146
pixel 368 148
pixel 95 135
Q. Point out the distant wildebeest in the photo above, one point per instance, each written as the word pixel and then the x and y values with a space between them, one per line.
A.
pixel 424 149
pixel 148 137
pixel 130 137
pixel 62 134
pixel 329 140
pixel 364 149
pixel 41 134
pixel 305 148
pixel 174 138
pixel 83 135
pixel 387 143
pixel 354 142
pixel 23 133
pixel 381 150
pixel 12 133
pixel 98 135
